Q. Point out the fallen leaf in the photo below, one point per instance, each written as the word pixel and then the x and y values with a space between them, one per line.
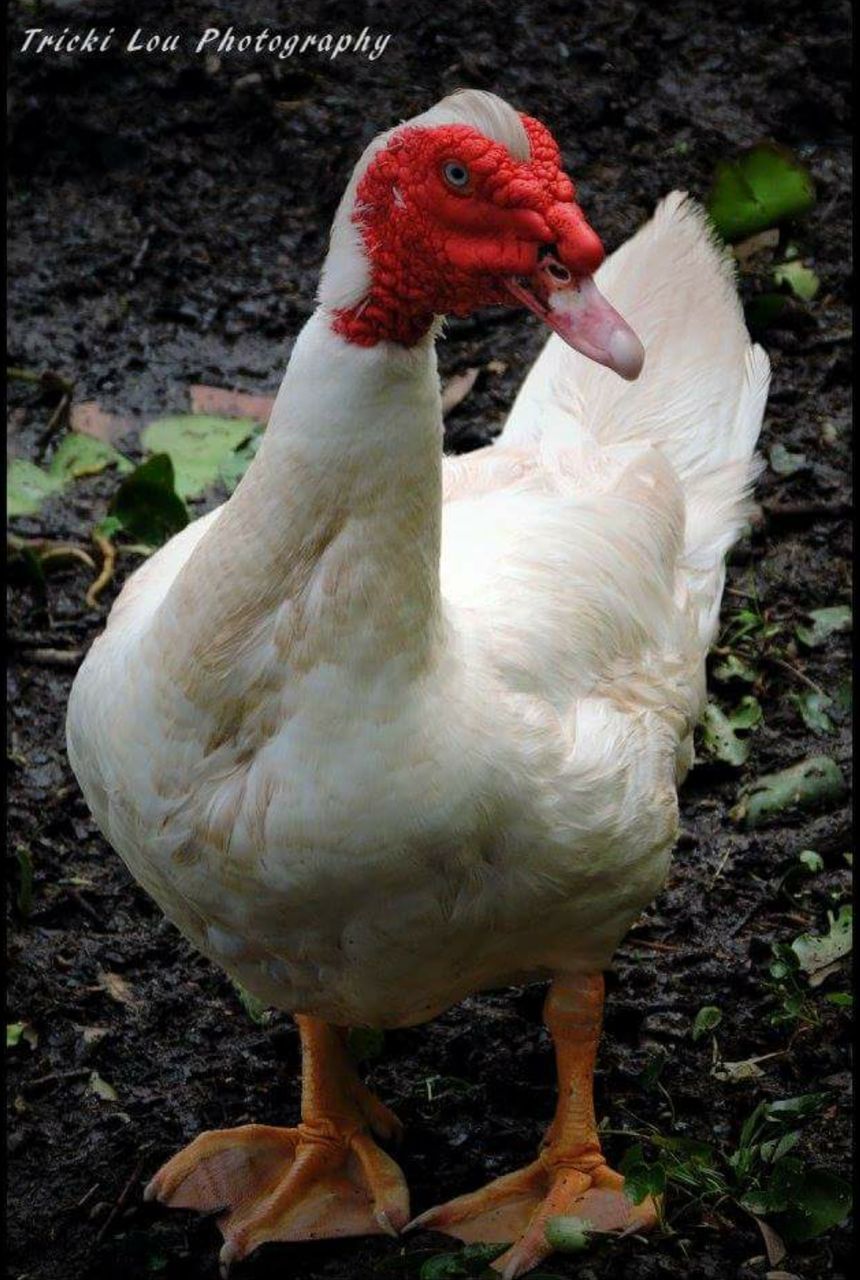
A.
pixel 198 445
pixel 27 487
pixel 810 784
pixel 235 466
pixel 774 1244
pixel 734 668
pixel 116 987
pixel 101 1088
pixel 744 250
pixel 813 710
pixel 18 1031
pixel 567 1233
pixel 92 1035
pixel 706 1020
pixel 763 187
pixel 720 730
pixel 457 388
pixel 89 419
pixel 802 281
pixel 719 739
pixel 230 404
pixel 784 462
pixel 737 1072
pixel 82 455
pixel 817 953
pixel 825 623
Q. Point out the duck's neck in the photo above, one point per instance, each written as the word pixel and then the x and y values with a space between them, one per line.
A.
pixel 328 551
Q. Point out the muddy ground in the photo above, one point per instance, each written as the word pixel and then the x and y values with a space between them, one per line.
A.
pixel 168 222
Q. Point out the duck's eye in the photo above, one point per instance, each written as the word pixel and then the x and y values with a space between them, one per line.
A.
pixel 456 174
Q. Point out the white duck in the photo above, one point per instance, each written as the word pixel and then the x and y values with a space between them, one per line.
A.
pixel 387 728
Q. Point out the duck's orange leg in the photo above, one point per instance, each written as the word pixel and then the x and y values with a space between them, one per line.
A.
pixel 570 1175
pixel 325 1178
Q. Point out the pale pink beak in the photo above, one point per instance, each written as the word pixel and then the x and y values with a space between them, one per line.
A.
pixel 578 312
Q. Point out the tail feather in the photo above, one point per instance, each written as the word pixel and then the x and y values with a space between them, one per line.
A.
pixel 700 397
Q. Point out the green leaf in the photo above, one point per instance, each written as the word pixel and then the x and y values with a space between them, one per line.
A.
pixel 825 623
pixel 567 1233
pixel 706 1019
pixel 641 1179
pixel 802 281
pixel 776 1148
pixel 690 1150
pixel 816 952
pixel 234 467
pixel 719 739
pixel 763 187
pixel 784 962
pixel 747 714
pixel 734 668
pixel 146 503
pixel 469 1261
pixel 762 310
pixel 813 710
pixel 802 1104
pixel 784 462
pixel 843 999
pixel 108 527
pixel 811 1200
pixel 198 444
pixel 14 1032
pixel 811 860
pixel 27 487
pixel 810 784
pixel 82 455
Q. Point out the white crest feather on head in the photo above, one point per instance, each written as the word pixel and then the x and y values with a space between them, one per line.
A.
pixel 345 276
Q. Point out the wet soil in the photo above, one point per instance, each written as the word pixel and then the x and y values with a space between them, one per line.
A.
pixel 168 221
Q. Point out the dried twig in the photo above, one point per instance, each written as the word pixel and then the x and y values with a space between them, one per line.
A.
pixel 807 510
pixel 57 419
pixel 55 1077
pixel 52 657
pixel 794 671
pixel 108 551
pixel 123 1196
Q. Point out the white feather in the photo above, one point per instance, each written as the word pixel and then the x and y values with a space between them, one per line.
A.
pixel 382 730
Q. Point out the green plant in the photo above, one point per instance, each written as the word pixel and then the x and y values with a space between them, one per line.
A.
pixel 759 1175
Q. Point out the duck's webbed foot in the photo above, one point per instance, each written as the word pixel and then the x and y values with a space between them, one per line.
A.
pixel 570 1176
pixel 325 1178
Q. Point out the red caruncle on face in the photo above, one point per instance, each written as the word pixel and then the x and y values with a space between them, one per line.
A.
pixel 447 215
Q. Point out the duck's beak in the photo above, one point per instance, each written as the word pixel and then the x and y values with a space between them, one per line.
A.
pixel 562 292
pixel 582 317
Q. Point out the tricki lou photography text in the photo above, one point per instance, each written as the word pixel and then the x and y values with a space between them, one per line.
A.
pixel 214 40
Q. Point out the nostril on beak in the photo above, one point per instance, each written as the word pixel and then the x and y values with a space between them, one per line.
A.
pixel 548 261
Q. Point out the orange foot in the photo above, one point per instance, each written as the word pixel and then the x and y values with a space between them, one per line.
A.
pixel 323 1179
pixel 518 1206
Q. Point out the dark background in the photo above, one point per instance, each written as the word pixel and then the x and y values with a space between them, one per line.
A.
pixel 168 220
